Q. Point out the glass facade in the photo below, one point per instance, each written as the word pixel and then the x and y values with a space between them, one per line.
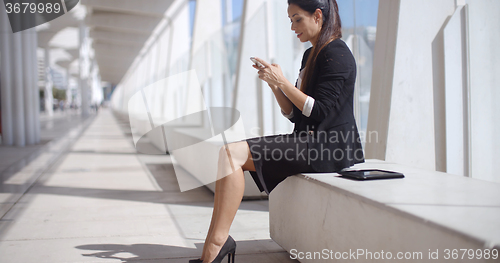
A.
pixel 221 59
pixel 261 28
pixel 359 28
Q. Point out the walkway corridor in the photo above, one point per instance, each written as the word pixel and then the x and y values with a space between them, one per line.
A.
pixel 101 201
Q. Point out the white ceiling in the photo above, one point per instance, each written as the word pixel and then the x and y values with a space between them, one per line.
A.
pixel 118 29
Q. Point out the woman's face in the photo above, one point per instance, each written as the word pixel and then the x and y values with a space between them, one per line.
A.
pixel 307 26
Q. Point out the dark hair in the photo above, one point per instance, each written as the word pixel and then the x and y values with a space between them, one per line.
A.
pixel 331 30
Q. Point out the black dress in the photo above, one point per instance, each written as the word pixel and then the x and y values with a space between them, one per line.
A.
pixel 325 141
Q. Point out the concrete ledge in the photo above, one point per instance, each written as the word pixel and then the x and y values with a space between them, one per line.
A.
pixel 426 210
pixel 200 159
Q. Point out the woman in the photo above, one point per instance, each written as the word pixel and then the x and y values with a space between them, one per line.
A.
pixel 325 136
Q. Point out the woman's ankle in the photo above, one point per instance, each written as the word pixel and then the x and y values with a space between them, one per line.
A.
pixel 215 242
pixel 218 239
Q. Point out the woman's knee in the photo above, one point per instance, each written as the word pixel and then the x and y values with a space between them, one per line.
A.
pixel 235 154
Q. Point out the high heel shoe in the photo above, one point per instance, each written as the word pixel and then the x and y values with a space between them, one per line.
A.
pixel 229 248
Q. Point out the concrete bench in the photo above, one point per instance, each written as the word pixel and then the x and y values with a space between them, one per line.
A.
pixel 199 160
pixel 423 215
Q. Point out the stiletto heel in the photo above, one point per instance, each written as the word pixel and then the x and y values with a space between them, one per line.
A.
pixel 228 249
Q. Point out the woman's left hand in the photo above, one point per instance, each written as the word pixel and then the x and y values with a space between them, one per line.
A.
pixel 271 73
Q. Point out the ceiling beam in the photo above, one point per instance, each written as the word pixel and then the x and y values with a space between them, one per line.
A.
pixel 114 61
pixel 150 7
pixel 112 50
pixel 112 69
pixel 123 22
pixel 123 38
pixel 64 63
pixel 113 78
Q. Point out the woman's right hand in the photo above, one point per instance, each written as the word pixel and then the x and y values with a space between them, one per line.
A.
pixel 272 86
pixel 271 73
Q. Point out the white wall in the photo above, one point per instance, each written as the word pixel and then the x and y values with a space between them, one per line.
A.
pixel 484 59
pixel 411 134
pixel 402 103
pixel 382 80
pixel 421 89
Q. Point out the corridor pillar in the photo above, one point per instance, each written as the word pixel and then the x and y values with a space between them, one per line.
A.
pixel 16 64
pixel 36 88
pixel 28 84
pixel 6 79
pixel 84 71
pixel 48 84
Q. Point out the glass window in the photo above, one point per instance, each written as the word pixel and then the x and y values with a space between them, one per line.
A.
pixel 231 12
pixel 192 12
pixel 359 28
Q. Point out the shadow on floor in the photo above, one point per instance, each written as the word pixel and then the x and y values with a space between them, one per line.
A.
pixel 262 249
pixel 196 197
pixel 199 197
pixel 138 252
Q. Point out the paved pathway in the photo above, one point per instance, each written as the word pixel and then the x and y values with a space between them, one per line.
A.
pixel 103 202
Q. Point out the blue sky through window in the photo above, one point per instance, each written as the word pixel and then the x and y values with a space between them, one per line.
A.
pixel 192 9
pixel 366 12
pixel 237 8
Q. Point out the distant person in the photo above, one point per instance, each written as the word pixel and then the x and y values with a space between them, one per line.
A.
pixel 325 137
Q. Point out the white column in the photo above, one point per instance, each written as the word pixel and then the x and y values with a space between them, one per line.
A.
pixel 84 95
pixel 84 71
pixel 48 84
pixel 407 76
pixel 253 23
pixel 228 11
pixel 6 79
pixel 27 52
pixel 16 64
pixel 455 94
pixel 203 34
pixel 484 94
pixel 36 89
pixel 69 95
pixel 384 56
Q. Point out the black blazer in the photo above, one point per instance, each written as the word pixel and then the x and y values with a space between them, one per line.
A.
pixel 335 143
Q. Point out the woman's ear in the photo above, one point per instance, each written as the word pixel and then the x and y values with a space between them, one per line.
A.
pixel 318 16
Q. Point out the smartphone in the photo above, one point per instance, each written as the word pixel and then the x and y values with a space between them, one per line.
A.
pixel 257 63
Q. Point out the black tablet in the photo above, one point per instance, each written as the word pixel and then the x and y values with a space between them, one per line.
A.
pixel 371 174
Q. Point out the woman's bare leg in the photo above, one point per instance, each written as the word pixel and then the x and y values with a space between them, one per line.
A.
pixel 214 213
pixel 228 194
